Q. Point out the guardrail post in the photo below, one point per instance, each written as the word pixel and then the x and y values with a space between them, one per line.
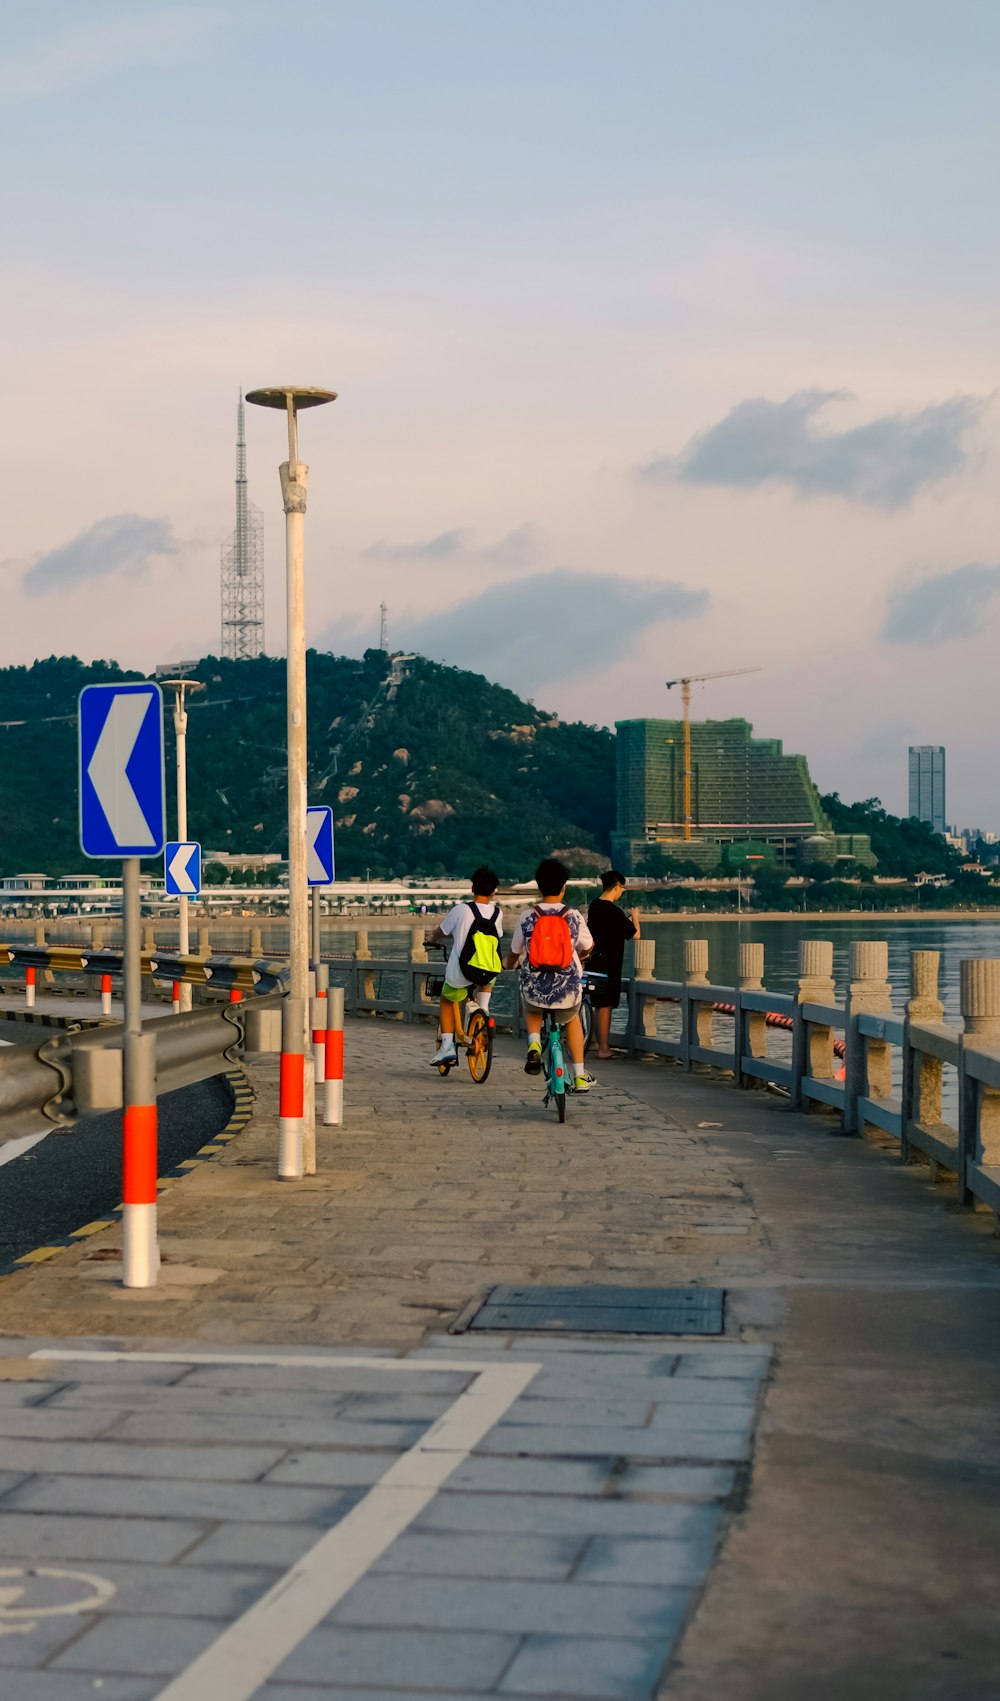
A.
pixel 812 1045
pixel 698 1023
pixel 291 1096
pixel 319 1021
pixel 29 988
pixel 979 1106
pixel 642 1011
pixel 749 1026
pixel 868 1062
pixel 175 997
pixel 365 980
pixel 333 1084
pixel 922 1076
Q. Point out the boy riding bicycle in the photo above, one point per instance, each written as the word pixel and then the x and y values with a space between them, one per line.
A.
pixel 546 949
pixel 474 930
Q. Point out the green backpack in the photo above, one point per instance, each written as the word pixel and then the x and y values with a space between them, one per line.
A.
pixel 479 958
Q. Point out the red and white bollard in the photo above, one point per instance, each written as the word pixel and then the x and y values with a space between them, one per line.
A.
pixel 105 995
pixel 175 998
pixel 333 1059
pixel 29 988
pixel 140 1252
pixel 319 1022
pixel 291 1093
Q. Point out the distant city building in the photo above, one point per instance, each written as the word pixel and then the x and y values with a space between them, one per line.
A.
pixel 749 801
pixel 927 785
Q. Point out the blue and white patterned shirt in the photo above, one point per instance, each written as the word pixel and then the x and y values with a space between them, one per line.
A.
pixel 561 990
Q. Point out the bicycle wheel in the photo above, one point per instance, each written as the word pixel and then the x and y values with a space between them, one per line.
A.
pixel 587 1024
pixel 556 1072
pixel 480 1049
pixel 561 1106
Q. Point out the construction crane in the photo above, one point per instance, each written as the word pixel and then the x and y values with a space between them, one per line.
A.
pixel 685 685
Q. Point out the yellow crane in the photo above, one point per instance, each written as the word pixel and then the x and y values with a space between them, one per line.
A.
pixel 685 685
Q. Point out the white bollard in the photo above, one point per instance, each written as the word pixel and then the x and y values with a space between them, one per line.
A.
pixel 105 995
pixel 29 988
pixel 333 1071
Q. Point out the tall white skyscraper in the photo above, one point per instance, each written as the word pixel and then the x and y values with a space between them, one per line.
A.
pixel 927 785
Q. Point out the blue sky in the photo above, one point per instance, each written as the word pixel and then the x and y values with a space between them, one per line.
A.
pixel 677 321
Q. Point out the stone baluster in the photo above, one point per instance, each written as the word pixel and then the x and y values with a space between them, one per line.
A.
pixel 868 1069
pixel 256 943
pixel 812 1043
pixel 39 933
pixel 362 954
pixel 751 1025
pixel 96 936
pixel 699 1027
pixel 979 1114
pixel 204 940
pixel 922 1075
pixel 643 1010
pixel 418 954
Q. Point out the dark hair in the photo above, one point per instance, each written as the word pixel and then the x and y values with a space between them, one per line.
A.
pixel 551 875
pixel 613 877
pixel 485 881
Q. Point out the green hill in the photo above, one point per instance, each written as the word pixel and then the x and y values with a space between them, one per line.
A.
pixel 429 769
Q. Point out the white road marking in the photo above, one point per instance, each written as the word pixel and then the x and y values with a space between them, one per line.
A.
pixel 250 1651
pixel 17 1148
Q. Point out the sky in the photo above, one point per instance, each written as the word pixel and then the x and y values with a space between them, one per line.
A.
pixel 664 333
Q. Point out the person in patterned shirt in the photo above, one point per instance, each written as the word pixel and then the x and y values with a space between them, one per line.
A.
pixel 557 990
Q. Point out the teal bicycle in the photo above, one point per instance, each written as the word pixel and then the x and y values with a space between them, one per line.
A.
pixel 558 1080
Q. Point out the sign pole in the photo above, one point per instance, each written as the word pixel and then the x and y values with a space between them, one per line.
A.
pixel 141 1258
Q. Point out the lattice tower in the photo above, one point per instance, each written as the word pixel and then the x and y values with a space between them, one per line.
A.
pixel 243 567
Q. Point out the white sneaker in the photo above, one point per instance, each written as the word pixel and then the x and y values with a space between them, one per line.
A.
pixel 445 1051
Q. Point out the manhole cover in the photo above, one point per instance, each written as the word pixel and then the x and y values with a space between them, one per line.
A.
pixel 603 1310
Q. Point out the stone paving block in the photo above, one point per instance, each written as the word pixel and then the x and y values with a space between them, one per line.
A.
pixel 38 1643
pixel 221 1502
pixel 43 1423
pixel 239 1402
pixel 730 1365
pixel 218 1463
pixel 186 1591
pixel 422 1554
pixel 524 1514
pixel 436 1661
pixel 570 1609
pixel 578 1666
pixel 339 1379
pixel 10 1480
pixel 289 1431
pixel 153 1646
pixel 345 1468
pixel 51 1536
pixel 338 1692
pixel 110 1372
pixel 28 1393
pixel 708 1482
pixel 707 1439
pixel 586 1410
pixel 279 1545
pixel 657 1564
pixel 66 1686
pixel 396 1408
pixel 533 1476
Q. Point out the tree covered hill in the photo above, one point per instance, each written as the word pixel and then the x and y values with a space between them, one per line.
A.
pixel 428 769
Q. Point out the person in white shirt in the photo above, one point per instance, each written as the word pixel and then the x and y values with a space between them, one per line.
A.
pixel 486 917
pixel 559 990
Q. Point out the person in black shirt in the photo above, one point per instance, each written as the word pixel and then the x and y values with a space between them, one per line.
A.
pixel 611 927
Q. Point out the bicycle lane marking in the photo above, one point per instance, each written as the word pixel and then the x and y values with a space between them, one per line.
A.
pixel 250 1650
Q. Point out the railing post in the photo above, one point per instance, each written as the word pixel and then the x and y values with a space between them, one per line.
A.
pixel 204 940
pixel 365 982
pixel 256 943
pixel 812 1044
pixel 922 1075
pixel 868 1063
pixel 979 1106
pixel 39 933
pixel 697 1016
pixel 642 1011
pixel 749 1026
pixel 419 1000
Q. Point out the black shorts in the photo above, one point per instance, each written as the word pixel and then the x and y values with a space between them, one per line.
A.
pixel 606 994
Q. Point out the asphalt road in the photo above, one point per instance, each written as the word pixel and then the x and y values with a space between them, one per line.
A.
pixel 67 1179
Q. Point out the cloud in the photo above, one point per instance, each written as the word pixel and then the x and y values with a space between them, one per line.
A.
pixel 88 51
pixel 942 606
pixel 518 548
pixel 123 543
pixel 884 462
pixel 564 624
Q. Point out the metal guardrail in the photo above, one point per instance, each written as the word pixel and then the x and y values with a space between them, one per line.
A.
pixel 248 974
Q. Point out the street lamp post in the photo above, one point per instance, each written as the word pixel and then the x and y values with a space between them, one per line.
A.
pixel 179 687
pixel 297 1110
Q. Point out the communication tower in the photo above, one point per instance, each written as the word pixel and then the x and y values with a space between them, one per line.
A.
pixel 243 567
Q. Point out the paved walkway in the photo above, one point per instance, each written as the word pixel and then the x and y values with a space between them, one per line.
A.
pixel 513 1515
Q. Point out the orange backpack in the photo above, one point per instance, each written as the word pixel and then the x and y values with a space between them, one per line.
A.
pixel 550 950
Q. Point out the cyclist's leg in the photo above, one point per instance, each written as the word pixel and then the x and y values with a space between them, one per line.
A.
pixel 533 1023
pixel 451 998
pixel 573 1039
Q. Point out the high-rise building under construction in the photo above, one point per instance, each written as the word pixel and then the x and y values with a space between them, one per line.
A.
pixel 748 800
pixel 243 566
